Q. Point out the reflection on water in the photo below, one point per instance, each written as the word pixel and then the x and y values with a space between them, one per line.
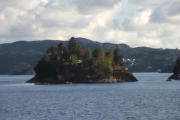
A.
pixel 151 98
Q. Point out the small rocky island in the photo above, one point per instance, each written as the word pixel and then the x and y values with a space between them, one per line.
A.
pixel 176 71
pixel 72 64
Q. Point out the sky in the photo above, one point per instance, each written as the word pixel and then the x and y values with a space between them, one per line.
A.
pixel 151 23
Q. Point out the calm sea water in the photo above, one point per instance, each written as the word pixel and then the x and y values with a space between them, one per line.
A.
pixel 151 98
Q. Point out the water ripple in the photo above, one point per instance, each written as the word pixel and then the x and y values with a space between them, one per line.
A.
pixel 152 98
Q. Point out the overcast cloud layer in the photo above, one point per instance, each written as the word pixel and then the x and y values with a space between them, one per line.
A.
pixel 153 23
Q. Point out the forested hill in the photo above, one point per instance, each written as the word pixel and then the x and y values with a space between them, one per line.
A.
pixel 20 57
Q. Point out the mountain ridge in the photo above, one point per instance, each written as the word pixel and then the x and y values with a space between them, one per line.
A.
pixel 29 52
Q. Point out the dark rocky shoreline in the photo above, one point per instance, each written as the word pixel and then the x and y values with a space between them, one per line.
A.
pixel 174 77
pixel 125 77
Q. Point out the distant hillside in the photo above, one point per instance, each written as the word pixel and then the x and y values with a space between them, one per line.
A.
pixel 20 57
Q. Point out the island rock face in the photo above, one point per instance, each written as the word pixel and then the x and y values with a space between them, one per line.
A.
pixel 72 64
pixel 176 71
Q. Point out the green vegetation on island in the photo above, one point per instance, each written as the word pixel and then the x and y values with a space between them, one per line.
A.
pixel 73 64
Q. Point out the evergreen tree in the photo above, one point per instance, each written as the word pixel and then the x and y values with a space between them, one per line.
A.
pixel 109 55
pixel 99 54
pixel 87 55
pixel 109 62
pixel 45 58
pixel 102 65
pixel 60 50
pixel 52 52
pixel 72 45
pixel 45 68
pixel 117 56
pixel 73 60
pixel 107 67
pixel 176 69
pixel 75 48
pixel 65 55
pixel 80 51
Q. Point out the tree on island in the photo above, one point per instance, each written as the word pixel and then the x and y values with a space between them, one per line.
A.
pixel 176 71
pixel 73 64
pixel 117 56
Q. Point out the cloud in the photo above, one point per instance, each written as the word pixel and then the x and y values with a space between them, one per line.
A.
pixel 135 22
pixel 20 4
pixel 138 21
pixel 145 2
pixel 92 6
pixel 49 18
pixel 168 12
